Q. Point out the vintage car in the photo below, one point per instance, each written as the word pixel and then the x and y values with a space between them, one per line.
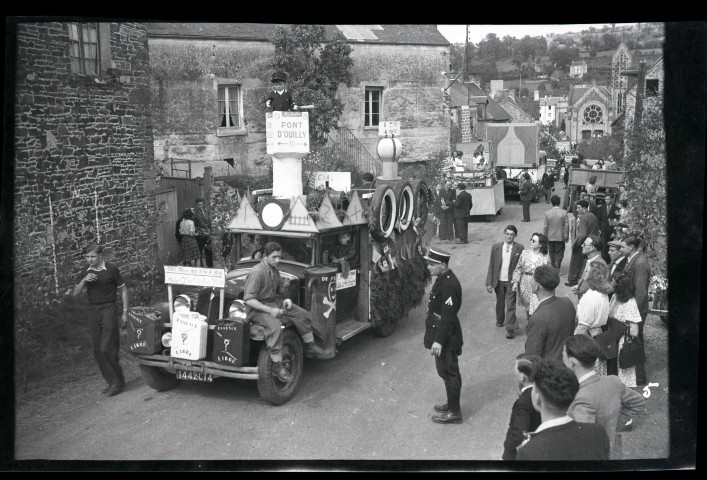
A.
pixel 384 280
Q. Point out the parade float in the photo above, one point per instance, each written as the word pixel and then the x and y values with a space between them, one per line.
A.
pixel 380 283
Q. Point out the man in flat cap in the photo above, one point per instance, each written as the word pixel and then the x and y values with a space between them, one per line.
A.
pixel 443 333
pixel 280 98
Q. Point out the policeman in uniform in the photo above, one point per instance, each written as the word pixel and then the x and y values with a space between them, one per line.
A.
pixel 443 333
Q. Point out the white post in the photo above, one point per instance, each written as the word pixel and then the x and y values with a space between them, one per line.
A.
pixel 286 175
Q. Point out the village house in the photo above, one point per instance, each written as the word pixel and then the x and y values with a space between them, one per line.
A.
pixel 552 110
pixel 209 82
pixel 578 68
pixel 83 158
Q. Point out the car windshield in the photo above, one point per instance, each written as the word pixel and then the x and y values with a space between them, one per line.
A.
pixel 297 250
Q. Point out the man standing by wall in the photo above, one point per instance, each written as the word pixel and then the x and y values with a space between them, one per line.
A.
pixel 638 267
pixel 202 223
pixel 443 333
pixel 462 207
pixel 102 280
pixel 504 259
pixel 556 228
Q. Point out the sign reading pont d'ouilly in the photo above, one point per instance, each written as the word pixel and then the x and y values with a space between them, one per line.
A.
pixel 287 132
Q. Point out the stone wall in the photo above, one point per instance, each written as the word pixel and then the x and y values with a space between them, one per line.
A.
pixel 184 86
pixel 83 155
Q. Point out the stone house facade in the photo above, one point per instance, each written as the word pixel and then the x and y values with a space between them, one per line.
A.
pixel 589 112
pixel 82 149
pixel 196 66
pixel 552 109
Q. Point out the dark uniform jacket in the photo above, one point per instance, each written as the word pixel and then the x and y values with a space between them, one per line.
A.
pixel 442 324
pixel 280 102
pixel 462 204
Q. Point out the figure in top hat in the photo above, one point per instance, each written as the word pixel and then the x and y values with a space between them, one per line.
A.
pixel 280 99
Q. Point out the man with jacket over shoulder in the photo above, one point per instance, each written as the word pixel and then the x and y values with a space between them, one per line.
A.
pixel 443 333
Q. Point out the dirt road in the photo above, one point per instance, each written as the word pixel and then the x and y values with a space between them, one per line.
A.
pixel 373 401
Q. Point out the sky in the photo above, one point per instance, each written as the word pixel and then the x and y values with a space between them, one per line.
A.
pixel 456 33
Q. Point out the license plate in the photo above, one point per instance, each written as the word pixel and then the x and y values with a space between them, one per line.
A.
pixel 198 376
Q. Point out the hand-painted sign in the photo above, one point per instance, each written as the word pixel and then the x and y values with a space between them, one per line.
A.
pixel 287 132
pixel 201 277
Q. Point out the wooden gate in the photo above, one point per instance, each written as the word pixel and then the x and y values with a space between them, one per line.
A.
pixel 169 251
pixel 187 190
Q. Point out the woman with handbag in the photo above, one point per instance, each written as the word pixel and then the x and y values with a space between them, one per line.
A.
pixel 623 307
pixel 593 307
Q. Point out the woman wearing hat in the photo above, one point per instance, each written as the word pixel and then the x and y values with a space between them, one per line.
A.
pixel 280 98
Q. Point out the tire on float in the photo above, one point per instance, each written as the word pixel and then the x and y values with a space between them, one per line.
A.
pixel 421 194
pixel 406 203
pixel 385 212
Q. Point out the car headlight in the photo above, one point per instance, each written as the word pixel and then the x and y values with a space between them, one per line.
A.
pixel 167 339
pixel 237 309
pixel 182 303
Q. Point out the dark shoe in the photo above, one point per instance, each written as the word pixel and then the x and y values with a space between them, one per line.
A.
pixel 312 350
pixel 105 390
pixel 443 408
pixel 499 324
pixel 510 334
pixel 448 417
pixel 281 373
pixel 570 284
pixel 626 427
pixel 115 390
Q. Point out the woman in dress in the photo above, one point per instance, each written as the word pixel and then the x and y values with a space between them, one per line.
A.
pixel 623 307
pixel 593 307
pixel 190 248
pixel 530 258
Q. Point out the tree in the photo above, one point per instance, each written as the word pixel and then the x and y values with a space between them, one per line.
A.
pixel 562 57
pixel 646 184
pixel 315 69
pixel 601 148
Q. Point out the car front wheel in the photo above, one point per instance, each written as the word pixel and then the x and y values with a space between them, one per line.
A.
pixel 273 390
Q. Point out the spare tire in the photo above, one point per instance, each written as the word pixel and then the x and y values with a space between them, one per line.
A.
pixel 406 203
pixel 421 194
pixel 384 209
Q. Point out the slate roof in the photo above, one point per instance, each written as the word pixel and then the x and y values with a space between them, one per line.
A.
pixel 579 90
pixel 380 34
pixel 460 93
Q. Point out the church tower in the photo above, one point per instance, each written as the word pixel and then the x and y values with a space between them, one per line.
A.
pixel 620 63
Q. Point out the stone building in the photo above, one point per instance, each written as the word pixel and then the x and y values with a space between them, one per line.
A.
pixel 199 70
pixel 552 109
pixel 470 109
pixel 588 112
pixel 82 149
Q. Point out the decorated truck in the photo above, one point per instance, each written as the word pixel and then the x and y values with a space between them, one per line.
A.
pixel 202 333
